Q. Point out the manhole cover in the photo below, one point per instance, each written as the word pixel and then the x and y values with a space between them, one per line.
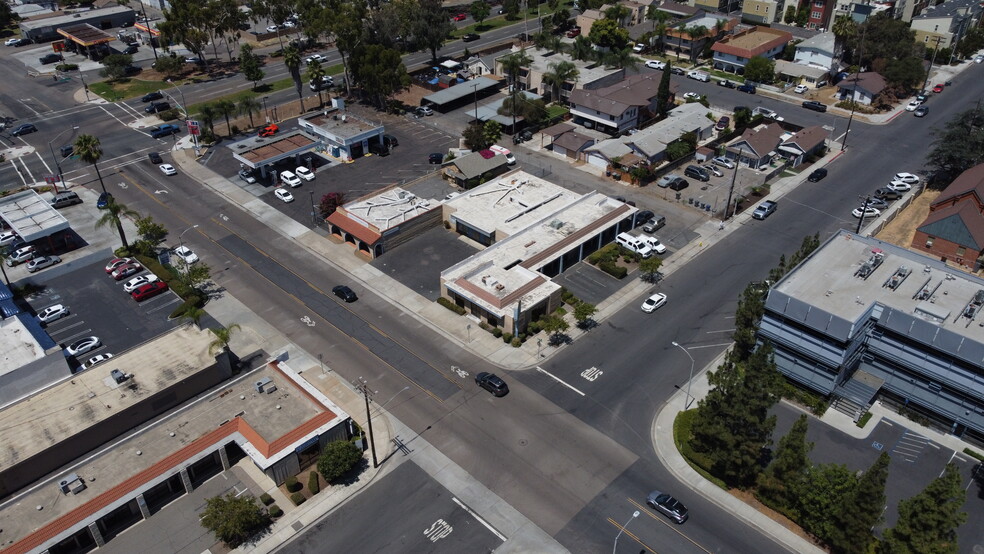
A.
pixel 523 442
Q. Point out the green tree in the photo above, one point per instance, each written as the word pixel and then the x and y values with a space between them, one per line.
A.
pixel 512 9
pixel 790 15
pixel 554 326
pixel 606 33
pixel 6 14
pixel 663 93
pixel 474 135
pixel 557 75
pixel 114 66
pixel 649 268
pixel 89 150
pixel 315 72
pixel 742 117
pixel 781 484
pixel 380 72
pixel 345 24
pixel 560 17
pixel 207 113
pixel 249 65
pixel 248 105
pixel 112 215
pixel 197 274
pixel 223 335
pixel 512 64
pixel 582 49
pixel 751 308
pixel 907 73
pixel 584 314
pixel 803 14
pixel 153 233
pixel 620 58
pixel 824 489
pixel 479 11
pixel 292 59
pixel 885 38
pixel 491 132
pixel 928 522
pixel 194 314
pixel 433 27
pixel 698 35
pixel 760 69
pixel 859 512
pixel 957 147
pixel 972 41
pixel 169 66
pixel 227 108
pixel 234 520
pixel 337 458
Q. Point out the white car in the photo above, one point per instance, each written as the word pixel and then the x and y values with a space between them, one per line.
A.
pixel 138 281
pixel 52 313
pixel 11 41
pixel 638 48
pixel 168 169
pixel 899 186
pixel 304 173
pixel 97 359
pixel 653 302
pixel 82 346
pixel 800 89
pixel 979 58
pixel 41 262
pixel 911 106
pixel 869 212
pixel 290 179
pixel 284 195
pixel 315 58
pixel 656 64
pixel 691 96
pixel 186 254
pixel 20 255
pixel 723 162
pixel 766 112
pixel 654 243
pixel 7 238
pixel 271 28
pixel 906 178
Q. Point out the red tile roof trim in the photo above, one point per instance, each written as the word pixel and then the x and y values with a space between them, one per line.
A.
pixel 360 232
pixel 171 462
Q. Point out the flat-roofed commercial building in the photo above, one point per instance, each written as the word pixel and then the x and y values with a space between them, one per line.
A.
pixel 863 320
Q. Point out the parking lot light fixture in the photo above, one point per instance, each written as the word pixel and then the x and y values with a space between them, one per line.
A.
pixel 691 379
pixel 635 514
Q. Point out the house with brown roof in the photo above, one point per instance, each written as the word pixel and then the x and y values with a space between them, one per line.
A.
pixel 636 14
pixel 733 51
pixel 475 168
pixel 676 9
pixel 803 144
pixel 756 147
pixel 681 38
pixel 863 88
pixel 619 107
pixel 571 144
pixel 954 229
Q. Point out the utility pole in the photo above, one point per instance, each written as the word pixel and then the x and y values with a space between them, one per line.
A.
pixel 931 62
pixel 362 386
pixel 731 190
pixel 864 212
pixel 854 90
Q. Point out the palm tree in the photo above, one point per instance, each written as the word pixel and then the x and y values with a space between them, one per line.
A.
pixel 559 74
pixel 582 49
pixel 292 59
pixel 112 215
pixel 88 149
pixel 207 113
pixel 844 29
pixel 659 19
pixel 222 337
pixel 226 108
pixel 248 105
pixel 194 314
pixel 697 33
pixel 314 74
pixel 621 57
pixel 512 65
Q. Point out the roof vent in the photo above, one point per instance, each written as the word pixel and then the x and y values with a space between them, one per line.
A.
pixel 265 385
pixel 72 483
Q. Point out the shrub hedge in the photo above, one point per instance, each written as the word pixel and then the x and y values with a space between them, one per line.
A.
pixel 507 337
pixel 314 485
pixel 451 306
pixel 516 342
pixel 615 271
pixel 266 499
pixel 291 484
pixel 275 511
pixel 297 498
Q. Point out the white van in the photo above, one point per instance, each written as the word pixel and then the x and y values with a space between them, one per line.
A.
pixel 510 159
pixel 634 244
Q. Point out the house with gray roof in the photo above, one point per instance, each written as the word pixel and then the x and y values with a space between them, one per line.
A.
pixel 571 144
pixel 819 51
pixel 473 169
pixel 756 147
pixel 863 88
pixel 803 144
pixel 649 144
pixel 619 107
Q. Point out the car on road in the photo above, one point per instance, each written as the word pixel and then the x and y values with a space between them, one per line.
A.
pixel 678 71
pixel 290 179
pixel 315 58
pixel 157 107
pixel 304 173
pixel 815 106
pixel 938 88
pixel 979 58
pixel 82 346
pixel 165 130
pixel 151 96
pixel 23 129
pixel 764 210
pixel 103 201
pixel 126 270
pixel 656 64
pixel 801 89
pixel 460 17
pixel 139 281
pixel 723 123
pixel 668 506
pixel 470 37
pixel 921 111
pixel 20 256
pixel 435 158
pixel 817 175
pixel 155 158
pixel 324 82
pixel 723 162
pixel 906 178
pixel 50 58
pixel 691 96
pixel 345 293
pixel 868 212
pixel 284 195
pixel 912 105
pixel 117 262
pixel 888 193
pixel 698 76
pixel 269 130
pixel 747 88
pixel 11 41
pixel 186 254
pixel 168 169
pixel 900 186
pixel 492 383
pixel 52 313
pixel 726 83
pixel 95 360
pixel 424 110
pixel 247 175
pixel 149 290
pixel 23 42
pixel 41 262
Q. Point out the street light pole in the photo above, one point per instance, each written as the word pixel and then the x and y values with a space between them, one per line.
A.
pixel 691 379
pixel 55 158
pixel 181 236
pixel 635 514
pixel 383 405
pixel 362 386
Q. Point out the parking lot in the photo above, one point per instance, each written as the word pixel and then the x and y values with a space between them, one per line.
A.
pixel 418 264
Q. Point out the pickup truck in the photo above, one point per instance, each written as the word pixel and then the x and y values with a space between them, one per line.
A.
pixel 164 130
pixel 699 75
pixel 767 113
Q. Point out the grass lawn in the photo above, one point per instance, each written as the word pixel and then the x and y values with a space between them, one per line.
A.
pixel 554 111
pixel 499 21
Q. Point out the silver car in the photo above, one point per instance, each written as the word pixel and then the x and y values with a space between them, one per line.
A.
pixel 52 313
pixel 668 506
pixel 41 262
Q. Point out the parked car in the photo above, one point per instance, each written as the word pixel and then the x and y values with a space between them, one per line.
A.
pixel 97 359
pixel 713 170
pixel 723 162
pixel 679 184
pixel 345 293
pixel 82 346
pixel 104 199
pixel 697 172
pixel 764 210
pixel 815 106
pixel 800 89
pixel 938 88
pixel 11 41
pixel 290 179
pixel 50 58
pixel 20 256
pixel 435 158
pixel 766 113
pixel 666 180
pixel 460 17
pixel 492 383
pixel 868 212
pixel 131 48
pixel 654 224
pixel 168 169
pixel 117 262
pixel 656 64
pixel 654 243
pixel 750 89
pixel 677 71
pixel 126 270
pixel 149 290
pixel 284 195
pixel 424 110
pixel 23 129
pixel 8 237
pixel 139 281
pixel 723 123
pixel 817 175
pixel 52 313
pixel 691 96
pixel 909 178
pixel 642 217
pixel 269 130
pixel 247 175
pixel 921 111
pixel 888 193
pixel 186 254
pixel 304 173
pixel 899 186
pixel 726 83
pixel 639 48
pixel 151 96
pixel 912 105
pixel 877 203
pixel 41 262
pixel 164 130
pixel 668 506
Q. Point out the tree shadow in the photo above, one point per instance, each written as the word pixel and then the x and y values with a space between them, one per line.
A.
pixel 558 339
pixel 263 88
pixel 652 278
pixel 587 324
pixel 353 475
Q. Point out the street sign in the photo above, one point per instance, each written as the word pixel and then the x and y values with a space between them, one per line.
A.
pixel 193 128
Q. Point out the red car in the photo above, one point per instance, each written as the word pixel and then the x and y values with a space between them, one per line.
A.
pixel 269 130
pixel 126 270
pixel 460 17
pixel 149 290
pixel 117 262
pixel 938 88
pixel 574 32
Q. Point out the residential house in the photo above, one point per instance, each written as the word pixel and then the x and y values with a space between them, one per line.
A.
pixel 619 107
pixel 649 144
pixel 756 147
pixel 636 14
pixel 761 12
pixel 591 75
pixel 863 88
pixel 732 52
pixel 954 228
pixel 943 25
pixel 550 134
pixel 797 73
pixel 803 144
pixel 475 168
pixel 683 39
pixel 571 144
pixel 819 51
pixel 820 14
pixel 677 10
pixel 723 6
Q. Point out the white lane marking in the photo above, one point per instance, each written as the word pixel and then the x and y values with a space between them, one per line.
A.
pixel 479 519
pixel 710 346
pixel 114 117
pixel 555 378
pixel 721 331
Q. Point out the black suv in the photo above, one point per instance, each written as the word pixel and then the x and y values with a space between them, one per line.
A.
pixel 155 158
pixel 155 107
pixel 815 106
pixel 151 96
pixel 817 175
pixel 697 172
pixel 492 383
pixel 345 293
pixel 679 184
pixel 50 58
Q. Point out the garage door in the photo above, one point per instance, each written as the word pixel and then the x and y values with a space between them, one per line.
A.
pixel 559 150
pixel 597 160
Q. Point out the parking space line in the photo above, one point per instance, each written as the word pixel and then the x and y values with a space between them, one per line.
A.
pixel 162 306
pixel 77 335
pixel 479 519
